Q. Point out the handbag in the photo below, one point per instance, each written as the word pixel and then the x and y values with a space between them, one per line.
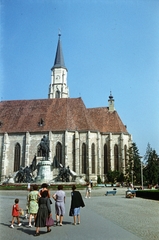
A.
pixel 71 212
pixel 21 212
pixel 49 222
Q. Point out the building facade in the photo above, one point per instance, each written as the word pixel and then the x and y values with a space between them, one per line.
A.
pixel 91 141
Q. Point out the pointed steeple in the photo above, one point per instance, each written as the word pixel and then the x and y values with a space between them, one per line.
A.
pixel 59 59
pixel 58 87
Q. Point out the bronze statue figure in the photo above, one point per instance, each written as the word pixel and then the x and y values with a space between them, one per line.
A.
pixel 44 147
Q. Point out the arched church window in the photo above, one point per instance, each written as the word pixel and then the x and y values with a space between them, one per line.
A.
pixel 93 157
pixel 17 157
pixel 84 158
pixel 57 94
pixel 59 152
pixel 106 163
pixel 125 155
pixel 116 158
pixel 73 153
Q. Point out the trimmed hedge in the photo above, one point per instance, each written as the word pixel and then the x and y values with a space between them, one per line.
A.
pixel 23 186
pixel 148 194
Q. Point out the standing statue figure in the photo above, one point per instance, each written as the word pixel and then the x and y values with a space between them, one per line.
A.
pixel 20 175
pixel 28 177
pixel 25 174
pixel 64 174
pixel 67 174
pixel 44 146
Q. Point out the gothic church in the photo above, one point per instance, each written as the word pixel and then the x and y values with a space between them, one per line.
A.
pixel 91 141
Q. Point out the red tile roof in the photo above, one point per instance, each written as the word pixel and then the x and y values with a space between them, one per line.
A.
pixel 58 115
pixel 106 121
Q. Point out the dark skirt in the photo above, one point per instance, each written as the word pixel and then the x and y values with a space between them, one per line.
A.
pixel 41 216
pixel 43 213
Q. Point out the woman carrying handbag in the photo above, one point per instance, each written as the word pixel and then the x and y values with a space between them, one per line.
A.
pixel 44 213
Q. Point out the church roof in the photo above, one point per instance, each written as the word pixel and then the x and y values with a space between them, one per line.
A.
pixel 106 121
pixel 56 115
pixel 59 59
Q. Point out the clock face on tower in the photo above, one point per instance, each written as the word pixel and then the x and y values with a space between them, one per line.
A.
pixel 57 77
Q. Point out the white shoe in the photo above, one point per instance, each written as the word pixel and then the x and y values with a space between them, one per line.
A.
pixel 30 225
pixel 19 224
pixel 85 197
pixel 11 226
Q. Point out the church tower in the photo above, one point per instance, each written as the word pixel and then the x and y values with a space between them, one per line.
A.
pixel 58 87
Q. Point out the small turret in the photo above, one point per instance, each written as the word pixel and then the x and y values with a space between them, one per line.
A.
pixel 111 103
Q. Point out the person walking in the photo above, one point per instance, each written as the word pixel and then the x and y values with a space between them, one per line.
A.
pixel 59 198
pixel 27 203
pixel 76 203
pixel 33 204
pixel 88 190
pixel 43 213
pixel 15 213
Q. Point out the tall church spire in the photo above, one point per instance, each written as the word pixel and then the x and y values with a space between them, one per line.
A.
pixel 59 59
pixel 58 87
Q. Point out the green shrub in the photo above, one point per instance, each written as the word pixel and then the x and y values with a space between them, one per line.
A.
pixel 99 181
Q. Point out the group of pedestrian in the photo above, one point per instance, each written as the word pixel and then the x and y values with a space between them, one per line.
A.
pixel 39 207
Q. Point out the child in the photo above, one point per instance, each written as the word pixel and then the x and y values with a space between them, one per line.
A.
pixel 15 213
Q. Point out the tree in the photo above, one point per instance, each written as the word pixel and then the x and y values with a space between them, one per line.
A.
pixel 115 176
pixel 151 171
pixel 133 166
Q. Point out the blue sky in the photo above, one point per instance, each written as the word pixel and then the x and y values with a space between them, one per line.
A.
pixel 108 45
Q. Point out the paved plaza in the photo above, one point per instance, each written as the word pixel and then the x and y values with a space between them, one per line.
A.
pixel 104 217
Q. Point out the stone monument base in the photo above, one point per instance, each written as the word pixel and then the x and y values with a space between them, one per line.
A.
pixel 44 172
pixel 80 179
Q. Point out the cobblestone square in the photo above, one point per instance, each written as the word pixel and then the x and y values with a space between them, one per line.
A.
pixel 104 217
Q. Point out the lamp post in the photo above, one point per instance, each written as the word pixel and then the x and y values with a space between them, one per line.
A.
pixel 132 178
pixel 141 172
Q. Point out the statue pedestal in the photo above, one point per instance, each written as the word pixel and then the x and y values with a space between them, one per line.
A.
pixel 11 180
pixel 44 172
pixel 80 179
